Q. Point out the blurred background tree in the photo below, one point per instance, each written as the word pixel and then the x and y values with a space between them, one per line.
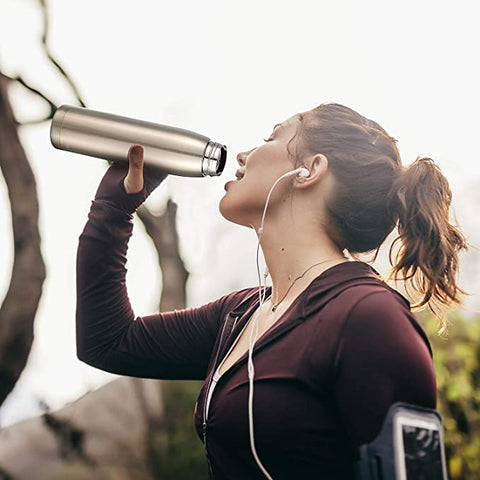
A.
pixel 18 309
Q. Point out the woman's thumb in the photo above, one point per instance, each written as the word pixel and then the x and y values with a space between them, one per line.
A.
pixel 134 180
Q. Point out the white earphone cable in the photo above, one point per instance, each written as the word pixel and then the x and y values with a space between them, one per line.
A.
pixel 261 295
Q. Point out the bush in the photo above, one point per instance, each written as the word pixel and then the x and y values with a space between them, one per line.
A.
pixel 183 456
pixel 456 357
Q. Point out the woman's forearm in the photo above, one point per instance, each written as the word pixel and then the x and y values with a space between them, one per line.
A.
pixel 103 309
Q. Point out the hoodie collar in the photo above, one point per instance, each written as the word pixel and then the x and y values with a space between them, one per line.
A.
pixel 330 280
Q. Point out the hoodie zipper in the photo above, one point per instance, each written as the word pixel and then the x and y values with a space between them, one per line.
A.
pixel 204 423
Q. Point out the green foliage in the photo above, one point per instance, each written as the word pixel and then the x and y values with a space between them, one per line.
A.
pixel 183 454
pixel 457 366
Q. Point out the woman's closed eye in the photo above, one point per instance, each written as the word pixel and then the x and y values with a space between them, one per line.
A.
pixel 268 139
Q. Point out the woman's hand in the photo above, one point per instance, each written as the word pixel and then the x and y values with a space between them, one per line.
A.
pixel 133 182
pixel 127 190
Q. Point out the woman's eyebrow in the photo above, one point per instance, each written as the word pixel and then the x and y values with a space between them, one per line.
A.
pixel 277 125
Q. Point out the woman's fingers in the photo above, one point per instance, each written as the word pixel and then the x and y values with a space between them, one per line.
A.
pixel 133 182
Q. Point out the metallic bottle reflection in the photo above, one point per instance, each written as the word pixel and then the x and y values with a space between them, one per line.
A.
pixel 108 136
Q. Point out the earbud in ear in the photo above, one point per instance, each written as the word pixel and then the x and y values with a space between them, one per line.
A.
pixel 303 173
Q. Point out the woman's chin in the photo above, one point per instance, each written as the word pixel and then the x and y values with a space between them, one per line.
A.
pixel 232 211
pixel 226 209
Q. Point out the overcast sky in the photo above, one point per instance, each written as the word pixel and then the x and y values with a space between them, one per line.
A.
pixel 228 70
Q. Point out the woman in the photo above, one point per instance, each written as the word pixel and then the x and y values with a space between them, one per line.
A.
pixel 335 345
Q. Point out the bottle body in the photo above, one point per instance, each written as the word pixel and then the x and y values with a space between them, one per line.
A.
pixel 108 136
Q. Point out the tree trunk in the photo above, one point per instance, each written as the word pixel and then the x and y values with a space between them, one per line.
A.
pixel 162 230
pixel 17 312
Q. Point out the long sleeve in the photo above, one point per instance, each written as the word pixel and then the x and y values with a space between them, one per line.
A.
pixel 171 345
pixel 381 359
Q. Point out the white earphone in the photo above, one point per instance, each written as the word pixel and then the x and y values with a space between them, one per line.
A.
pixel 303 173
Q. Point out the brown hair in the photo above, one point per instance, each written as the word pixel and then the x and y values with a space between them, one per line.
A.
pixel 374 194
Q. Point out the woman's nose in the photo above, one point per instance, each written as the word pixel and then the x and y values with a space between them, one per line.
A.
pixel 241 159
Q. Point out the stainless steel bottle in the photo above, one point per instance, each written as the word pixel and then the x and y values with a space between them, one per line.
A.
pixel 104 135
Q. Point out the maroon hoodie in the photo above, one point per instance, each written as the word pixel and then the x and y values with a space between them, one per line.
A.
pixel 326 373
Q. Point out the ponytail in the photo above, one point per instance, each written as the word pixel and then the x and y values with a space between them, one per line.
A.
pixel 427 259
pixel 374 193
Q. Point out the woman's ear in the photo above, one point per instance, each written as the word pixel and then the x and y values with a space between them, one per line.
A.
pixel 317 165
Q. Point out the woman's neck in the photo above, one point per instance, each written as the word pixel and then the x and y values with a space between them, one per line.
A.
pixel 295 258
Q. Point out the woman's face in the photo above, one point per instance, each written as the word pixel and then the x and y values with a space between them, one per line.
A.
pixel 245 198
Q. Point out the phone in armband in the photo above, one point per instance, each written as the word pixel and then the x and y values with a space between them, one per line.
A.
pixel 409 447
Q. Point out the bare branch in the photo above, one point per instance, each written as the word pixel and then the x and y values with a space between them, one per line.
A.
pixel 43 5
pixel 52 106
pixel 70 438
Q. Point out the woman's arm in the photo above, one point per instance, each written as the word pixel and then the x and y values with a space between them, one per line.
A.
pixel 381 359
pixel 175 345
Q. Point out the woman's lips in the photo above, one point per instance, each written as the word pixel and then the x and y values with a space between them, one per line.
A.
pixel 240 173
pixel 228 183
